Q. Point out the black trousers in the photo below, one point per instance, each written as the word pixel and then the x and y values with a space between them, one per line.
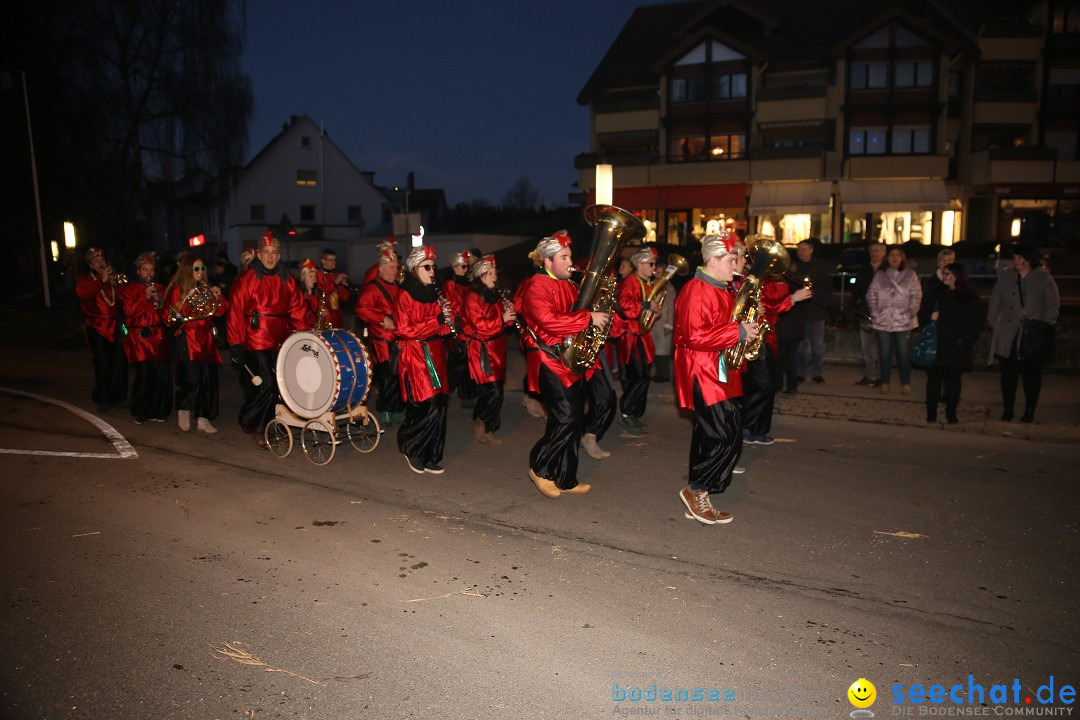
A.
pixel 197 388
pixel 759 392
pixel 457 370
pixel 258 407
pixel 388 388
pixel 110 369
pixel 1012 370
pixel 151 393
pixel 635 377
pixel 602 405
pixel 489 402
pixel 555 455
pixel 938 377
pixel 789 373
pixel 716 442
pixel 422 437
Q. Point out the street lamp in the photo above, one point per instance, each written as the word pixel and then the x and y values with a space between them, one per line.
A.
pixel 604 184
pixel 69 235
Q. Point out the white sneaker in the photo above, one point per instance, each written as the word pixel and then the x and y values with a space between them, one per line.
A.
pixel 588 441
pixel 204 425
pixel 183 419
pixel 739 470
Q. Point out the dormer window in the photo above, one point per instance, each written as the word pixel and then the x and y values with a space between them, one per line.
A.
pixel 893 56
pixel 711 71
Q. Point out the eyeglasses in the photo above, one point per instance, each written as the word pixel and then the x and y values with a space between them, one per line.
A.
pixel 649 262
pixel 429 268
pixel 198 268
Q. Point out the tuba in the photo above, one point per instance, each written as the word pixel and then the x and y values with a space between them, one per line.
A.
pixel 201 302
pixel 613 227
pixel 767 258
pixel 676 265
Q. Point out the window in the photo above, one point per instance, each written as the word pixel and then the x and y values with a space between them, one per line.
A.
pixel 726 87
pixel 305 141
pixel 355 215
pixel 308 178
pixel 1063 83
pixel 688 148
pixel 869 75
pixel 258 213
pixel 915 74
pixel 727 147
pixel 685 90
pixel 867 141
pixel 307 213
pixel 1064 141
pixel 911 140
pixel 1066 18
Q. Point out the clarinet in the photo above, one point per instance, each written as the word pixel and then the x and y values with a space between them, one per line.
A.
pixel 508 305
pixel 447 313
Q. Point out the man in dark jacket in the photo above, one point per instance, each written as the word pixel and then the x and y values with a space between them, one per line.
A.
pixel 815 274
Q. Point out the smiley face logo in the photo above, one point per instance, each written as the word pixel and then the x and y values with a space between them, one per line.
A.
pixel 862 693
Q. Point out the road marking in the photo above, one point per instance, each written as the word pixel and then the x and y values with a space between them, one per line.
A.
pixel 123 447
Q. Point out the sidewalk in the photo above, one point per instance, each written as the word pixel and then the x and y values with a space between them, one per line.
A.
pixel 1057 418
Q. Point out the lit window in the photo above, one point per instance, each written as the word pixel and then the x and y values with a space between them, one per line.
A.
pixel 867 141
pixel 308 178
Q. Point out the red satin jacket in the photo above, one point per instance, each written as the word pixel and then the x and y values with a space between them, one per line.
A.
pixel 101 306
pixel 485 332
pixel 703 329
pixel 545 307
pixel 775 301
pixel 198 334
pixel 632 292
pixel 147 339
pixel 278 305
pixel 418 327
pixel 336 295
pixel 372 306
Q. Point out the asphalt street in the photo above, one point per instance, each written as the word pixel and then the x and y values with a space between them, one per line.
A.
pixel 892 552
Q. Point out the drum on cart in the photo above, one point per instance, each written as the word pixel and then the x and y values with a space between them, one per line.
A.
pixel 323 372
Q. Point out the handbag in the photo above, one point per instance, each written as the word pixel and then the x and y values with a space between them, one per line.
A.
pixel 924 352
pixel 1035 341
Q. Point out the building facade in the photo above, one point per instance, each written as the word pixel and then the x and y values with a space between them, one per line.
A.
pixel 853 121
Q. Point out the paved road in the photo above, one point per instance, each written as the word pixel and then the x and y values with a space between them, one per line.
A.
pixel 470 595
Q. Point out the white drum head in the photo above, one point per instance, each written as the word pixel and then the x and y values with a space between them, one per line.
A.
pixel 307 374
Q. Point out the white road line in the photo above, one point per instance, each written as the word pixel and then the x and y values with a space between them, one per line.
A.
pixel 123 447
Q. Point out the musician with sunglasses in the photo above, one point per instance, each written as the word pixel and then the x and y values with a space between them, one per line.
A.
pixel 265 308
pixel 423 319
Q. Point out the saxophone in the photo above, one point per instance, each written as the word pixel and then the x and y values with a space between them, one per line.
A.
pixel 613 227
pixel 767 258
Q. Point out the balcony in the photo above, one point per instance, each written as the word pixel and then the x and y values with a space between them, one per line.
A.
pixel 1013 165
pixel 884 167
pixel 795 163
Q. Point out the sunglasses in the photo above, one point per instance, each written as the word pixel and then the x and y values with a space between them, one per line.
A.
pixel 429 267
pixel 198 268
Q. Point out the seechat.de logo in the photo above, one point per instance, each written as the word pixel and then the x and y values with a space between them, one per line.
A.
pixel 862 695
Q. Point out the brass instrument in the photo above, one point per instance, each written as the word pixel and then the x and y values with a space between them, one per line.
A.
pixel 676 265
pixel 153 295
pixel 322 316
pixel 447 311
pixel 202 303
pixel 116 278
pixel 613 227
pixel 767 258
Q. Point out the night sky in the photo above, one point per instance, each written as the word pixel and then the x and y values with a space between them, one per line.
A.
pixel 470 96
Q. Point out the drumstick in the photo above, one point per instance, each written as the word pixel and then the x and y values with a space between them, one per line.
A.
pixel 256 380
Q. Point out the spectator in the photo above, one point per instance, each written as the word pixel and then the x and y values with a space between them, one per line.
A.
pixel 934 285
pixel 894 297
pixel 868 344
pixel 959 318
pixel 814 312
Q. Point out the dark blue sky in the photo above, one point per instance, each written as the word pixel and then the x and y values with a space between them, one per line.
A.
pixel 468 95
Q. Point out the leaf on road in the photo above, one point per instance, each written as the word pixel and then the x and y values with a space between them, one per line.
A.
pixel 237 654
pixel 466 591
pixel 902 534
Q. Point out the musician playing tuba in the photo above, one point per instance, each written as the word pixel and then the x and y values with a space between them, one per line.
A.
pixel 197 357
pixel 704 331
pixel 546 307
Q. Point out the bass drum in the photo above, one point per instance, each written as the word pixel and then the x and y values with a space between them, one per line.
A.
pixel 319 372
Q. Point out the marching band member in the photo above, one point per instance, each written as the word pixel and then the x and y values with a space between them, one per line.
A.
pixel 310 290
pixel 146 344
pixel 265 308
pixel 454 290
pixel 375 309
pixel 545 304
pixel 530 400
pixel 97 296
pixel 422 322
pixel 334 286
pixel 197 357
pixel 703 382
pixel 636 347
pixel 485 320
pixel 388 244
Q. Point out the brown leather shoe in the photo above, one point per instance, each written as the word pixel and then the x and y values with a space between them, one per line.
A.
pixel 260 441
pixel 700 509
pixel 545 486
pixel 579 489
pixel 479 432
pixel 493 439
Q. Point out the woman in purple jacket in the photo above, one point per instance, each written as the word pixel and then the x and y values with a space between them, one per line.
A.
pixel 894 296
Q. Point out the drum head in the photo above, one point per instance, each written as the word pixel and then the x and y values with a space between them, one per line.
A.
pixel 307 374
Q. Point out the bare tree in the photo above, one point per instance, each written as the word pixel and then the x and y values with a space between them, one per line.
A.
pixel 522 196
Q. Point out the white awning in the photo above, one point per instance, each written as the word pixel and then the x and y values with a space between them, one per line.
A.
pixel 790 198
pixel 875 196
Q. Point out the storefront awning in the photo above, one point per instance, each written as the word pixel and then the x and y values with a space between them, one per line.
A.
pixel 875 196
pixel 790 198
pixel 673 197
